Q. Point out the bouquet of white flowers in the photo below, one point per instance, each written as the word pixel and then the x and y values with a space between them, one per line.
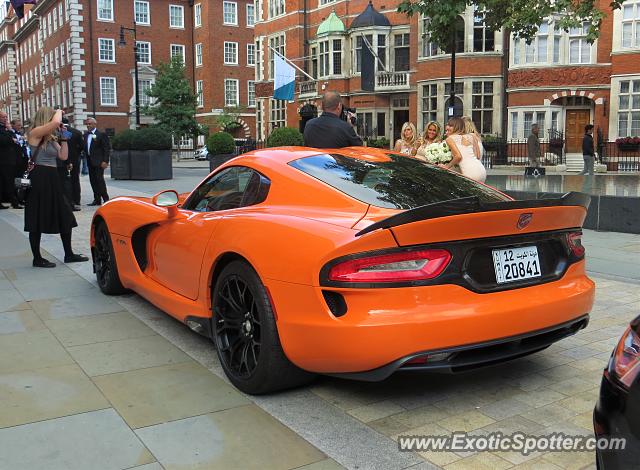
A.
pixel 438 152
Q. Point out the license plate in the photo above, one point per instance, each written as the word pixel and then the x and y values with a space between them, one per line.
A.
pixel 516 264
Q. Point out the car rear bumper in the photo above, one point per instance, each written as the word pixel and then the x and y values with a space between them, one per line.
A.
pixel 387 327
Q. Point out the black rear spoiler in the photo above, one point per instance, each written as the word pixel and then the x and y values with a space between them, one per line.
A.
pixel 470 205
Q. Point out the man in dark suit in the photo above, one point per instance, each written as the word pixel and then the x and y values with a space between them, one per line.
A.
pixel 588 150
pixel 9 150
pixel 98 149
pixel 328 131
pixel 75 145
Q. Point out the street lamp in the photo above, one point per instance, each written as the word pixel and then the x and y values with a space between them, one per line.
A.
pixel 123 43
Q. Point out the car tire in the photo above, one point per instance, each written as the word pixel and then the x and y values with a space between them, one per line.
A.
pixel 105 262
pixel 246 336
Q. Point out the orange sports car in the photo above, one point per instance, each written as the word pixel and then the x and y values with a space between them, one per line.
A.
pixel 354 262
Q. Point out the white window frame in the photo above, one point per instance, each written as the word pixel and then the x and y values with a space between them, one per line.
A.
pixel 60 15
pixel 115 91
pixel 276 8
pixel 251 54
pixel 325 2
pixel 251 17
pixel 110 9
pixel 146 43
pixel 632 108
pixel 232 45
pixel 234 21
pixel 228 81
pixel 148 12
pixel 581 37
pixel 198 54
pixel 62 55
pixel 200 93
pixel 105 41
pixel 251 92
pixel 197 15
pixel 633 23
pixel 145 100
pixel 183 52
pixel 181 9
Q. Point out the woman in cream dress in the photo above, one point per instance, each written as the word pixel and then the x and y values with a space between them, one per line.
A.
pixel 465 149
pixel 408 140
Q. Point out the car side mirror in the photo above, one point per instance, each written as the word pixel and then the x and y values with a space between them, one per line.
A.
pixel 168 199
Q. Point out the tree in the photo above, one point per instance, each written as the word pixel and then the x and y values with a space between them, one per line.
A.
pixel 228 120
pixel 174 107
pixel 521 17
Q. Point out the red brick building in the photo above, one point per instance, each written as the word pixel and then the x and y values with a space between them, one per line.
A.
pixel 559 80
pixel 67 53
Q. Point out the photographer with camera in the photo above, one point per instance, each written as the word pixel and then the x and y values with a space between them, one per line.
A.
pixel 331 130
pixel 47 210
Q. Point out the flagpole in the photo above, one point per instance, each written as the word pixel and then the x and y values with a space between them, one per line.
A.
pixel 292 64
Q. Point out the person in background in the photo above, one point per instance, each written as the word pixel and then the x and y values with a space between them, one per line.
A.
pixel 407 144
pixel 588 150
pixel 98 149
pixel 470 128
pixel 432 134
pixel 533 146
pixel 9 151
pixel 75 145
pixel 465 148
pixel 46 209
pixel 329 131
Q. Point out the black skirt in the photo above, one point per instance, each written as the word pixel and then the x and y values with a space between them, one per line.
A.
pixel 46 209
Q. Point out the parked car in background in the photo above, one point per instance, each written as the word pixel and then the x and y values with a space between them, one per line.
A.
pixel 201 153
pixel 617 413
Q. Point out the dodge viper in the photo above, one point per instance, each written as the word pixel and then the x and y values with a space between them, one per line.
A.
pixel 354 262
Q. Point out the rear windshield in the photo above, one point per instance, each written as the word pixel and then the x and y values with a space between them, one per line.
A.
pixel 402 183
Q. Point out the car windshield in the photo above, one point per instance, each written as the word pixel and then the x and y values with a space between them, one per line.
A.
pixel 402 183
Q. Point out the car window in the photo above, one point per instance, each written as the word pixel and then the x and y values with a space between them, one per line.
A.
pixel 230 188
pixel 402 183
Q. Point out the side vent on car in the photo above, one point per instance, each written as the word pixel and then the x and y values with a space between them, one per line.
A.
pixel 335 302
pixel 139 245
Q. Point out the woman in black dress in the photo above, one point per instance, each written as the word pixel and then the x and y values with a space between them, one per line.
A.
pixel 46 209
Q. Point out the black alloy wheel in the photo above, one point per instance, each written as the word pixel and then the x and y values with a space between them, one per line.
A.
pixel 246 335
pixel 237 327
pixel 105 262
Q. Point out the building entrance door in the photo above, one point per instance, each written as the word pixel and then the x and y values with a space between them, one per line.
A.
pixel 400 116
pixel 574 130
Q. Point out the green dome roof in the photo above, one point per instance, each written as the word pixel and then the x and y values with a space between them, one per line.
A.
pixel 332 24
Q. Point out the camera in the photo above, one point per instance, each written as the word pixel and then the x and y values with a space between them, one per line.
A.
pixel 350 119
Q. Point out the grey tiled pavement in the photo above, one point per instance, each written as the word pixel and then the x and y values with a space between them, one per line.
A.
pixel 82 375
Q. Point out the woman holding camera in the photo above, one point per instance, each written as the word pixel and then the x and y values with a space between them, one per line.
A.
pixel 46 209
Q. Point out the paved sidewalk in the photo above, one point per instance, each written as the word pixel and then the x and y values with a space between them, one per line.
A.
pixel 86 385
pixel 125 364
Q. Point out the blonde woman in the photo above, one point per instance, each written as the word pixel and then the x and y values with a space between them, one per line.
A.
pixel 46 208
pixel 470 128
pixel 465 149
pixel 407 142
pixel 432 134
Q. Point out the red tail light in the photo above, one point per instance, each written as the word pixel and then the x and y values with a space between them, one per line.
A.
pixel 574 240
pixel 392 267
pixel 625 363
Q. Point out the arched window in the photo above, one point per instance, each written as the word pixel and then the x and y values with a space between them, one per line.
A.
pixel 457 107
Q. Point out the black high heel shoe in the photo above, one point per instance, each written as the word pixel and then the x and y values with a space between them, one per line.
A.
pixel 43 263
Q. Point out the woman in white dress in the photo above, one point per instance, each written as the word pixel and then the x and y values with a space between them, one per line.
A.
pixel 465 149
pixel 432 134
pixel 406 144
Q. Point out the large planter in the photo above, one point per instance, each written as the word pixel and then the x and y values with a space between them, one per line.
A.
pixel 151 165
pixel 120 163
pixel 216 160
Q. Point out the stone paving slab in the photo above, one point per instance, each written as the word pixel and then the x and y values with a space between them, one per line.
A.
pixel 99 440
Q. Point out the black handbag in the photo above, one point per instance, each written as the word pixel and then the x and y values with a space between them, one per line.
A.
pixel 23 183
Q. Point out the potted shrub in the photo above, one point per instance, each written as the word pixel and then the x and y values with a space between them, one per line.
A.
pixel 120 160
pixel 628 144
pixel 380 143
pixel 151 154
pixel 491 143
pixel 221 148
pixel 285 137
